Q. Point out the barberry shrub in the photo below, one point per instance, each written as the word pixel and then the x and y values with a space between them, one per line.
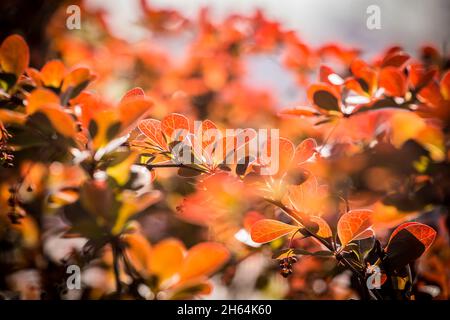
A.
pixel 150 192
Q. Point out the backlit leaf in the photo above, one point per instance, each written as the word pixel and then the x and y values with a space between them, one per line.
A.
pixel 305 150
pixel 175 127
pixel 151 128
pixel 300 111
pixel 135 92
pixel 52 73
pixel 138 252
pixel 203 259
pixel 324 230
pixel 167 258
pixel 267 230
pixel 132 110
pixel 425 234
pixel 407 243
pixel 353 224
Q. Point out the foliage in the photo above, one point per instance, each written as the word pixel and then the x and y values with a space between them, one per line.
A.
pixel 159 214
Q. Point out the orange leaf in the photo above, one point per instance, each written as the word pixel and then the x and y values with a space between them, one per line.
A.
pixel 286 151
pixel 75 78
pixel 132 110
pixel 203 259
pixel 305 150
pixel 166 259
pixel 267 230
pixel 135 92
pixel 90 107
pixel 393 81
pixel 14 55
pixel 60 120
pixel 299 111
pixel 404 126
pixel 445 86
pixel 353 224
pixel 40 97
pixel 324 96
pixel 324 230
pixel 35 75
pixel 52 73
pixel 251 218
pixel 10 116
pixel 366 77
pixel 151 128
pixel 175 126
pixel 138 252
pixel 209 132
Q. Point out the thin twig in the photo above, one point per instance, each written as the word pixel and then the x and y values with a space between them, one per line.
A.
pixel 116 256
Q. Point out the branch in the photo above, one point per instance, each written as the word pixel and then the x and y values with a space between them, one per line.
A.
pixel 116 256
pixel 173 165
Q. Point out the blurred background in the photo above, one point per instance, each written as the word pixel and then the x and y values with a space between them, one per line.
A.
pixel 409 23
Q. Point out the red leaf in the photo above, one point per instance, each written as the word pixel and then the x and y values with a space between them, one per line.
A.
pixel 305 150
pixel 422 232
pixel 135 92
pixel 419 77
pixel 365 75
pixel 175 126
pixel 393 81
pixel 396 59
pixel 445 86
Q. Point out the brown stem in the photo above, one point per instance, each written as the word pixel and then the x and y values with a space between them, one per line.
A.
pixel 116 256
pixel 173 165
